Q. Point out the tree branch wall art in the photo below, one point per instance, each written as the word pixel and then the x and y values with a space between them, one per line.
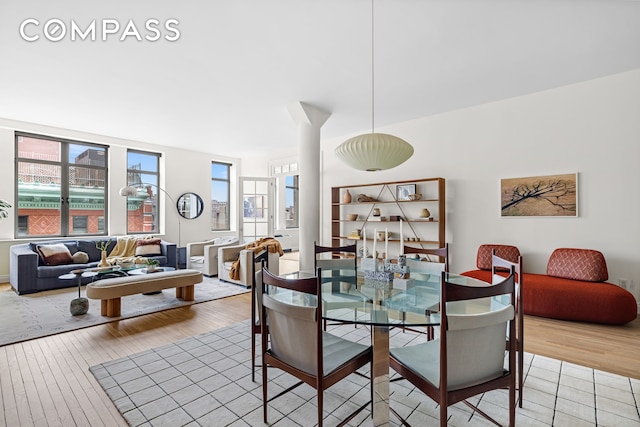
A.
pixel 551 195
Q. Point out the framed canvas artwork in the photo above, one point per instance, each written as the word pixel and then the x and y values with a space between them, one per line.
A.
pixel 550 195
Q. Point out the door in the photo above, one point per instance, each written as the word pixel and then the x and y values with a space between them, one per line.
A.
pixel 256 214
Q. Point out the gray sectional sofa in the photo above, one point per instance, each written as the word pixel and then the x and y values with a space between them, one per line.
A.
pixel 29 274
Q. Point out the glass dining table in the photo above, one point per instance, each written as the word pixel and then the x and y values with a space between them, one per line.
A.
pixel 381 306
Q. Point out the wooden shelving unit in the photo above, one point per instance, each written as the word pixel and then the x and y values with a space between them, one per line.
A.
pixel 426 233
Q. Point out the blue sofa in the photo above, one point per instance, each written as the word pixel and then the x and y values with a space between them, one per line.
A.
pixel 28 273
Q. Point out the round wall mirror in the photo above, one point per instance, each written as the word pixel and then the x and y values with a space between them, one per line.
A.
pixel 190 205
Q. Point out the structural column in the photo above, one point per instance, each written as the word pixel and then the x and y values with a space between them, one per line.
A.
pixel 309 120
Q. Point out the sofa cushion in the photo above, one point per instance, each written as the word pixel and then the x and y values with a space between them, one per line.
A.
pixel 80 257
pixel 89 247
pixel 197 260
pixel 577 300
pixel 55 254
pixel 69 244
pixel 483 260
pixel 578 264
pixel 148 247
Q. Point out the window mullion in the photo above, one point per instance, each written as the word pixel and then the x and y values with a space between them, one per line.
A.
pixel 64 190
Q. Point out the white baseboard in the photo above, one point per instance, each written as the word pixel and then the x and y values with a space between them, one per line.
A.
pixel 4 279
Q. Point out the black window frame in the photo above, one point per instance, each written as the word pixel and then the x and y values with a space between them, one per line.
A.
pixel 65 165
pixel 228 183
pixel 296 199
pixel 131 181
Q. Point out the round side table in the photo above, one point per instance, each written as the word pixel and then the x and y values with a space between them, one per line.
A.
pixel 78 305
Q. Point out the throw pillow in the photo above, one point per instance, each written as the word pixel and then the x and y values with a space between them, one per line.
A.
pixel 508 252
pixel 80 257
pixel 578 264
pixel 56 254
pixel 148 247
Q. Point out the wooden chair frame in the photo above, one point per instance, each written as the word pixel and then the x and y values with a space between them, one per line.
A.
pixel 443 253
pixel 319 381
pixel 337 250
pixel 440 393
pixel 256 326
pixel 499 265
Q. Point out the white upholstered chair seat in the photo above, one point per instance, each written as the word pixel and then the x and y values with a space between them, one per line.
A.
pixel 293 327
pixel 297 344
pixel 475 350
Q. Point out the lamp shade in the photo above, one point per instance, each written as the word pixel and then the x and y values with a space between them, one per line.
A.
pixel 128 192
pixel 374 151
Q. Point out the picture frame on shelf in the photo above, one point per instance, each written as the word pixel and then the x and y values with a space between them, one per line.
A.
pixel 403 191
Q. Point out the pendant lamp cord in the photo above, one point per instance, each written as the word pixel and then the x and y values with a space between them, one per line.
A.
pixel 372 74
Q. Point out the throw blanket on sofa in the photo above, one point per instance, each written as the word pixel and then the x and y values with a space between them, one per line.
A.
pixel 258 246
pixel 125 250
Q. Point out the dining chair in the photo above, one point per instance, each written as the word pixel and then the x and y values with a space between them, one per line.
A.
pixel 296 343
pixel 499 268
pixel 469 356
pixel 434 263
pixel 256 303
pixel 441 253
pixel 342 273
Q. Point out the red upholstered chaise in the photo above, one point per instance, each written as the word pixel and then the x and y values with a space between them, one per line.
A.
pixel 574 287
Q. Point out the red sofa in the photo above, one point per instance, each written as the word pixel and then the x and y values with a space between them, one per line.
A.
pixel 574 287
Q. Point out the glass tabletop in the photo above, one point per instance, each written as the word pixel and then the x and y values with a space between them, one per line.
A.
pixel 385 303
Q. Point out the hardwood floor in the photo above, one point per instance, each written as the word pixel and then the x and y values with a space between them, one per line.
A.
pixel 46 382
pixel 607 348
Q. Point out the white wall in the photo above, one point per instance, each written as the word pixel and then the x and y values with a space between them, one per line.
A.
pixel 592 128
pixel 183 171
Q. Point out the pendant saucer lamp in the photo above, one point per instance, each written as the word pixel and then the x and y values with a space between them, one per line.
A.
pixel 374 151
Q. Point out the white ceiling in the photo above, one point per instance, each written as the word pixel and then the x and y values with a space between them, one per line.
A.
pixel 224 86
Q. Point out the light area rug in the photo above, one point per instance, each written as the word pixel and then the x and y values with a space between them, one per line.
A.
pixel 205 380
pixel 25 317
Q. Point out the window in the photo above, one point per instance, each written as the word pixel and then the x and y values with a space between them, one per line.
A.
pixel 23 226
pixel 291 201
pixel 80 224
pixel 59 180
pixel 287 193
pixel 220 186
pixel 142 209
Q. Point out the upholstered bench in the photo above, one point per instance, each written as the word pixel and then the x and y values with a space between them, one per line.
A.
pixel 111 290
pixel 574 287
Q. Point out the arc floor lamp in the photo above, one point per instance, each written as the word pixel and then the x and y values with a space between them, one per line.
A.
pixel 134 191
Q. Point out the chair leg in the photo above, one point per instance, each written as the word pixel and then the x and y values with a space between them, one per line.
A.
pixel 264 392
pixel 320 402
pixel 253 355
pixel 512 405
pixel 520 372
pixel 371 385
pixel 443 414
